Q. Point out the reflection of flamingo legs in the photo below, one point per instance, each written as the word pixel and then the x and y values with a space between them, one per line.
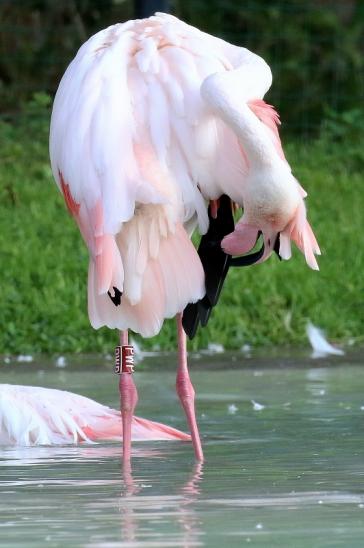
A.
pixel 128 401
pixel 133 500
pixel 185 389
pixel 187 516
pixel 129 518
pixel 192 487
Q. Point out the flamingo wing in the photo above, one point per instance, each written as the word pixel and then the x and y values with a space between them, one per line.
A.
pixel 108 145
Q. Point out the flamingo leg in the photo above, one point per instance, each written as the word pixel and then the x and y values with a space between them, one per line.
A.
pixel 185 390
pixel 128 401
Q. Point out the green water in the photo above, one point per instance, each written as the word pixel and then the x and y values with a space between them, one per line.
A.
pixel 289 474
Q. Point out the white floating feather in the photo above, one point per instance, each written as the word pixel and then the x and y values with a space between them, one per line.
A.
pixel 257 406
pixel 321 347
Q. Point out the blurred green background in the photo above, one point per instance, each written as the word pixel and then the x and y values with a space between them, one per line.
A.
pixel 315 50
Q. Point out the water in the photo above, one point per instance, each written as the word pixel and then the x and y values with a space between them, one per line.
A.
pixel 283 441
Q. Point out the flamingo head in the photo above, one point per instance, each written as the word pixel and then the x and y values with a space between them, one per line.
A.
pixel 275 238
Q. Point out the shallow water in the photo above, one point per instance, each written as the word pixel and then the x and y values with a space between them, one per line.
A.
pixel 283 441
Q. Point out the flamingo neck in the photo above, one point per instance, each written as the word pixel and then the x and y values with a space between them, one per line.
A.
pixel 252 135
pixel 231 105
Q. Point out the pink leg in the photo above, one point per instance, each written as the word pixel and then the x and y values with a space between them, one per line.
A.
pixel 186 391
pixel 128 401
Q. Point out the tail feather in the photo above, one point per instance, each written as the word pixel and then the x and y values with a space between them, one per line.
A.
pixel 159 290
pixel 109 267
pixel 182 271
pixel 145 317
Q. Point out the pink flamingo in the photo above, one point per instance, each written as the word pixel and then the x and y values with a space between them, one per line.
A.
pixel 153 121
pixel 31 415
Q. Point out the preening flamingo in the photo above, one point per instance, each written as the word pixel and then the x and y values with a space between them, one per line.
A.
pixel 153 122
pixel 31 415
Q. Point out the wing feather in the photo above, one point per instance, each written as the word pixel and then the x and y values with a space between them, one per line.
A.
pixel 158 120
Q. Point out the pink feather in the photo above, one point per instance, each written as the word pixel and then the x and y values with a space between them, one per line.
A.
pixel 269 117
pixel 31 415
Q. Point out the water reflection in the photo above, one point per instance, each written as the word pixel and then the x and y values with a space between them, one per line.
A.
pixel 189 520
pixel 135 506
pixel 34 456
pixel 129 518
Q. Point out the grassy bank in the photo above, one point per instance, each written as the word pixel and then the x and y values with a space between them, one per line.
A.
pixel 44 262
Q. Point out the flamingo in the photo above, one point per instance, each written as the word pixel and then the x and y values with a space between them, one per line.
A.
pixel 158 129
pixel 31 415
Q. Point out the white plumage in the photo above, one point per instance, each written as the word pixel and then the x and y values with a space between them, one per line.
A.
pixel 152 119
pixel 320 345
pixel 31 415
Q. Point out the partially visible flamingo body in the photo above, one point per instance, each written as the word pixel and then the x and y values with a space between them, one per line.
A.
pixel 32 415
